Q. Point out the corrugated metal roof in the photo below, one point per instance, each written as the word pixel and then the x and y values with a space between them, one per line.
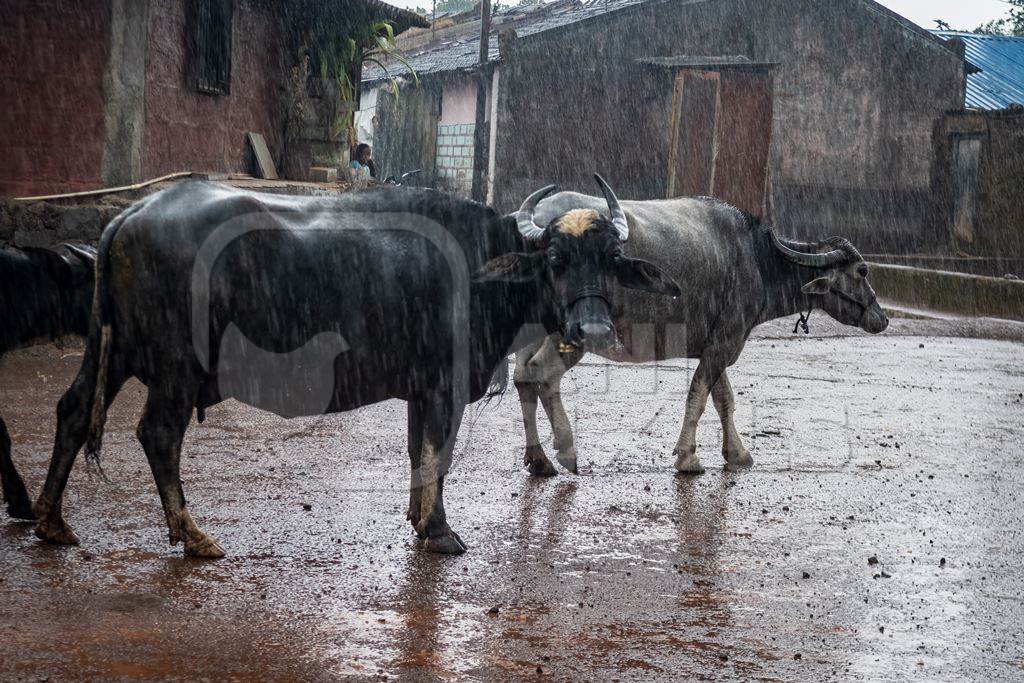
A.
pixel 460 51
pixel 1000 82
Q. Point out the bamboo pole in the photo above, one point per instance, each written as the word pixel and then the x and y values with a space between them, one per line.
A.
pixel 106 190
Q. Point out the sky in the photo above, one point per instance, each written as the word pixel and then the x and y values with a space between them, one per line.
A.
pixel 960 14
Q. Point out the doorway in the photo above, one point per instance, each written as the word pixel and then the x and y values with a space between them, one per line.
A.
pixel 966 160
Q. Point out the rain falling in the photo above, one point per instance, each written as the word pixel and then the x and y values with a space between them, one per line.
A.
pixel 477 340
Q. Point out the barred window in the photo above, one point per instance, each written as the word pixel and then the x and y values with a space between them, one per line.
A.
pixel 209 31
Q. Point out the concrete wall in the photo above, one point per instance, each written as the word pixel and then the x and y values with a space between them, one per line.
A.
pixel 53 54
pixel 124 92
pixel 856 96
pixel 406 132
pixel 991 213
pixel 189 130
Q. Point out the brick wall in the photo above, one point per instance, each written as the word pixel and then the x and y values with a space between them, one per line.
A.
pixel 455 158
pixel 190 130
pixel 52 58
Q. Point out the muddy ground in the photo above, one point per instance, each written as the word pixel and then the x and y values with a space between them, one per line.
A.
pixel 905 447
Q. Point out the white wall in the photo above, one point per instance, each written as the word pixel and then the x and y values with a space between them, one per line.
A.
pixel 364 116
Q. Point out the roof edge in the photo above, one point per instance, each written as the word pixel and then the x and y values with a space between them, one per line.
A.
pixel 402 17
pixel 907 24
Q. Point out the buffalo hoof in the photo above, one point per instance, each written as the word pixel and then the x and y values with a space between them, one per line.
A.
pixel 738 461
pixel 537 463
pixel 57 532
pixel 446 543
pixel 689 464
pixel 567 459
pixel 414 518
pixel 204 547
pixel 20 508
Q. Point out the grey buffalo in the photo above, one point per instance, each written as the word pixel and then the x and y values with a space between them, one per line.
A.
pixel 301 306
pixel 736 273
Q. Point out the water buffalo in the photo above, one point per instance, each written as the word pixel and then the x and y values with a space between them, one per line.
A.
pixel 303 306
pixel 44 295
pixel 738 273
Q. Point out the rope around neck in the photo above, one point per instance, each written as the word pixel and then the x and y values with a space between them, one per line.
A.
pixel 802 322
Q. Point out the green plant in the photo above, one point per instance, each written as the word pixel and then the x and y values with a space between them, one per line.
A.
pixel 1011 25
pixel 336 49
pixel 383 49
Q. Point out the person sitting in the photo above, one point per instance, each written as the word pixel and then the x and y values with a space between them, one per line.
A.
pixel 362 161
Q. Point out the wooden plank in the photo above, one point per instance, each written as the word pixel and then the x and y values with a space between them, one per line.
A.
pixel 261 153
pixel 673 135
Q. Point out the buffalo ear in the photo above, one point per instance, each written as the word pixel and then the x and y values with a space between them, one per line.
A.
pixel 819 285
pixel 643 275
pixel 514 267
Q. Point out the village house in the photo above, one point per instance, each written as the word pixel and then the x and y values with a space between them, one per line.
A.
pixel 109 92
pixel 816 114
pixel 979 158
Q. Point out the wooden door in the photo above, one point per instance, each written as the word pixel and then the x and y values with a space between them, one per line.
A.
pixel 966 157
pixel 693 142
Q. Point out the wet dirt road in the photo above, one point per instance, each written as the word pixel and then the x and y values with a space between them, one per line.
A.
pixel 864 447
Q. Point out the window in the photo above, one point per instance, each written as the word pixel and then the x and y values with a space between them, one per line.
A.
pixel 210 45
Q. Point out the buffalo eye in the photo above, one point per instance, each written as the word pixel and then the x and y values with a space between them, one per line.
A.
pixel 862 270
pixel 555 259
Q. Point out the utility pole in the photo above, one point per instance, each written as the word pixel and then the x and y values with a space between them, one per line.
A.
pixel 481 133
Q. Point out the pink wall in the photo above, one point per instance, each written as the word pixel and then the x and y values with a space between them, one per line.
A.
pixel 458 102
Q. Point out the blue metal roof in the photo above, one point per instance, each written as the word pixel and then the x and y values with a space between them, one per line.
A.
pixel 1000 82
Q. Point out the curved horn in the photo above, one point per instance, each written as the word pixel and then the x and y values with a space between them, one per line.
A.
pixel 618 215
pixel 86 255
pixel 524 216
pixel 827 260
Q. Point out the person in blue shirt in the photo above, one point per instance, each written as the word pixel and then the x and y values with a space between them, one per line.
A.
pixel 363 161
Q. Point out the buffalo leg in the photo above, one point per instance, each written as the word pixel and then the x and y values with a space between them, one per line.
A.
pixel 415 431
pixel 72 427
pixel 735 454
pixel 539 372
pixel 554 365
pixel 15 494
pixel 704 378
pixel 536 461
pixel 440 427
pixel 551 398
pixel 160 432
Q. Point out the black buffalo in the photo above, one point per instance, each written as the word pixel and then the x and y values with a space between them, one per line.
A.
pixel 316 305
pixel 44 295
